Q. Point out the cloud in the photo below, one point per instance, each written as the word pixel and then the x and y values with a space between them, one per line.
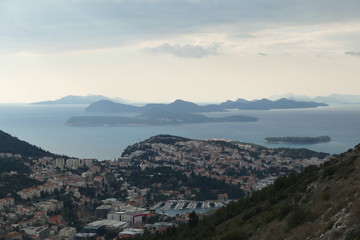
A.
pixel 263 54
pixel 58 25
pixel 355 54
pixel 186 51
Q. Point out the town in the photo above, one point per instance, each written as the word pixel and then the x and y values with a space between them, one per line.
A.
pixel 154 185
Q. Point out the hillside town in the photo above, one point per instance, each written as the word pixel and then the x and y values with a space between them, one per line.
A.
pixel 148 189
pixel 250 166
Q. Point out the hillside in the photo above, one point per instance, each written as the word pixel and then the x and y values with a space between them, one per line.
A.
pixel 10 144
pixel 247 166
pixel 319 203
pixel 108 106
pixel 10 184
pixel 11 164
pixel 10 161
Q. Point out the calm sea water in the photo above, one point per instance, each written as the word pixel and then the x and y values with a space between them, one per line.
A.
pixel 44 126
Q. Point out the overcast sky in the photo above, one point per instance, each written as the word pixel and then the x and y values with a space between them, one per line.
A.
pixel 162 50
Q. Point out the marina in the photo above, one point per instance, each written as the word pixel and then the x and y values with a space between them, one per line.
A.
pixel 186 205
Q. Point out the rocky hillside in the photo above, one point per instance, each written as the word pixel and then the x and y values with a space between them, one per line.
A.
pixel 322 202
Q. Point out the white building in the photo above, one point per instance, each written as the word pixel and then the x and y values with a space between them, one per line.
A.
pixel 87 175
pixel 73 163
pixel 88 162
pixel 67 233
pixel 59 162
pixel 6 202
pixel 51 205
pixel 29 193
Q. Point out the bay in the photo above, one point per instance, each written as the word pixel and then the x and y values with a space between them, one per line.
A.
pixel 43 125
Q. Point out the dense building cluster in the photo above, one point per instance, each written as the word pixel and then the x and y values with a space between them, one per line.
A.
pixel 250 166
pixel 86 198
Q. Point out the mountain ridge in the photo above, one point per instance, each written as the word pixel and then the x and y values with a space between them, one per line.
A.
pixel 331 99
pixel 107 106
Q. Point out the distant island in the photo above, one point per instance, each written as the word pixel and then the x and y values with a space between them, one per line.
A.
pixel 330 99
pixel 109 113
pixel 101 113
pixel 103 104
pixel 153 117
pixel 298 140
pixel 74 99
pixel 181 106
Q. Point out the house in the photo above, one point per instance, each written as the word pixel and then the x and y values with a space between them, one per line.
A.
pixel 223 197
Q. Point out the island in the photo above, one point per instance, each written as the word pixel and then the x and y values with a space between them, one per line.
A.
pixel 108 113
pixel 181 106
pixel 153 117
pixel 298 140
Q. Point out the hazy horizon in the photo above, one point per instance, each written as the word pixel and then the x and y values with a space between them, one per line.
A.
pixel 138 102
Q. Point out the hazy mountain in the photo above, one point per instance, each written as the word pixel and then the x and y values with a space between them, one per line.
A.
pixel 319 203
pixel 330 99
pixel 108 106
pixel 291 96
pixel 339 99
pixel 177 106
pixel 181 106
pixel 266 104
pixel 72 99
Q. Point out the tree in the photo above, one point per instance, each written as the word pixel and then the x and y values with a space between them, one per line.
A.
pixel 193 219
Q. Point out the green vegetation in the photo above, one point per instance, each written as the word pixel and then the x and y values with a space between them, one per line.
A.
pixel 193 219
pixel 153 117
pixel 297 206
pixel 10 184
pixel 167 139
pixel 148 152
pixel 169 179
pixel 300 140
pixel 300 153
pixel 9 164
pixel 69 212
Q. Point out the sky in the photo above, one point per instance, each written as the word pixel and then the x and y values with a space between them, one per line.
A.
pixel 162 50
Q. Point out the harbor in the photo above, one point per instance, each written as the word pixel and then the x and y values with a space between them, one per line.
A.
pixel 174 207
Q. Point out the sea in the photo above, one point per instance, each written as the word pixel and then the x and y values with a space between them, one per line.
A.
pixel 44 126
